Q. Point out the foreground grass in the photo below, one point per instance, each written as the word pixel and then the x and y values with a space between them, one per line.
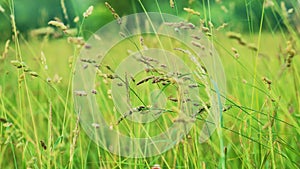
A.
pixel 39 127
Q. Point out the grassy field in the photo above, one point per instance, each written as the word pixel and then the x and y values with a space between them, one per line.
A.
pixel 39 127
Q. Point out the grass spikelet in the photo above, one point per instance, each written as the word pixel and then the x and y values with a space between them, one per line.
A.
pixel 64 9
pixel 6 48
pixel 76 19
pixel 33 74
pixel 56 78
pixel 268 3
pixel 205 29
pixel 18 64
pixel 182 50
pixel 291 52
pixel 198 45
pixel 210 24
pixel 88 12
pixel 236 54
pixel 144 80
pixel 76 40
pixel 267 81
pixel 236 36
pixel 195 37
pixel 223 8
pixel 80 93
pixel 13 24
pixel 283 9
pixel 95 125
pixel 2 9
pixel 3 120
pixel 156 166
pixel 252 47
pixel 222 26
pixel 113 12
pixel 58 24
pixel 74 141
pixel 192 11
pixel 43 145
pixel 172 4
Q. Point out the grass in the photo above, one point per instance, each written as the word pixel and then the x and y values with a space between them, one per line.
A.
pixel 40 129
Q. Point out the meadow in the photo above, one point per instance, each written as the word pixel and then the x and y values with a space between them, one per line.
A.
pixel 40 127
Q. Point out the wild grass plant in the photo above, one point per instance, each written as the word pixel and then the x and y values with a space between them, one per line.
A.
pixel 40 128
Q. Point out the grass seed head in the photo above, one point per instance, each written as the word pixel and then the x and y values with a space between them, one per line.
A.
pixel 76 40
pixel 58 24
pixel 88 12
pixel 223 8
pixel 268 3
pixel 6 49
pixel 222 26
pixel 192 11
pixel 80 93
pixel 76 19
pixel 113 12
pixel 172 4
pixel 2 9
pixel 95 125
pixel 252 47
pixel 43 145
pixel 267 81
pixel 205 29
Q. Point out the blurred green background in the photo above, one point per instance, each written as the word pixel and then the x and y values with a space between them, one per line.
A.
pixel 33 14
